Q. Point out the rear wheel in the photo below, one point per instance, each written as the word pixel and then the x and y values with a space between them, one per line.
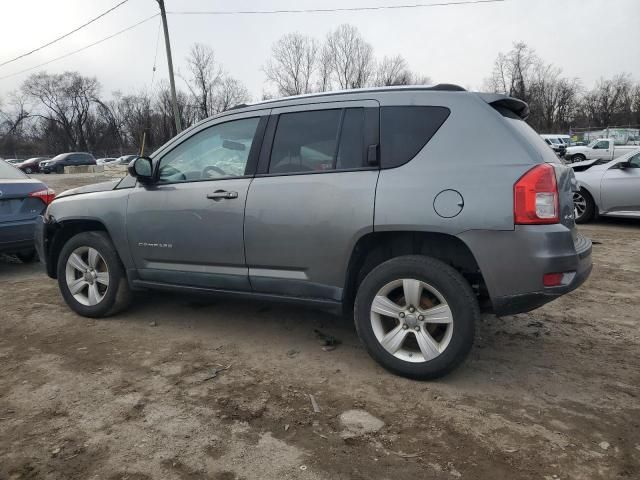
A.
pixel 91 277
pixel 416 316
pixel 584 207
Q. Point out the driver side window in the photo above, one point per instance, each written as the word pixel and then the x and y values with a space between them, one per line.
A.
pixel 603 145
pixel 217 152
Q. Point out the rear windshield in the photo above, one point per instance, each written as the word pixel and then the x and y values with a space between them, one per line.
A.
pixel 529 134
pixel 9 172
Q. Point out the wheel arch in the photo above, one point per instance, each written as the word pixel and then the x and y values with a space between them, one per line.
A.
pixel 62 231
pixel 374 248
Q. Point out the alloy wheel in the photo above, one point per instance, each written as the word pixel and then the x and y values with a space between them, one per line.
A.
pixel 579 205
pixel 411 320
pixel 87 276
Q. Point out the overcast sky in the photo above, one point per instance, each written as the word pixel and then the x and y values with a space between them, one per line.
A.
pixel 589 39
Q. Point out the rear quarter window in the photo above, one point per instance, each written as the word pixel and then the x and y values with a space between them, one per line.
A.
pixel 405 130
pixel 529 134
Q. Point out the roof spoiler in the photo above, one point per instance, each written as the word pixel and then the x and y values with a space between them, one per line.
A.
pixel 514 105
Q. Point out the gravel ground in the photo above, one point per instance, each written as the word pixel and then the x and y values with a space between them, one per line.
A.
pixel 193 388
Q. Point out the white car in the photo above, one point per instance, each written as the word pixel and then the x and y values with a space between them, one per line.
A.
pixel 603 148
pixel 608 187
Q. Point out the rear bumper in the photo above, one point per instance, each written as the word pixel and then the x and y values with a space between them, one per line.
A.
pixel 513 264
pixel 16 236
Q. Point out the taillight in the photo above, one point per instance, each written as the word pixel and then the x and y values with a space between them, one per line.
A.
pixel 47 195
pixel 535 197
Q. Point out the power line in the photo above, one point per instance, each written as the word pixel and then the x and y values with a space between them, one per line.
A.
pixel 329 10
pixel 81 49
pixel 65 35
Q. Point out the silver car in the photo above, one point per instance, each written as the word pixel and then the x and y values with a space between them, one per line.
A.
pixel 608 187
pixel 366 202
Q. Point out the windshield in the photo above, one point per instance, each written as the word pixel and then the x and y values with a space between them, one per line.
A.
pixel 9 172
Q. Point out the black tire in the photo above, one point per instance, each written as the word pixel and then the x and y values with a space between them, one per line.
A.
pixel 578 157
pixel 27 256
pixel 118 294
pixel 458 295
pixel 590 206
pixel 28 170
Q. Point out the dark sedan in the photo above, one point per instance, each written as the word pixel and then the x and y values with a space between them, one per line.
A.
pixel 22 199
pixel 72 159
pixel 31 165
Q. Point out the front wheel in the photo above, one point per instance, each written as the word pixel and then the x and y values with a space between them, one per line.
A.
pixel 91 277
pixel 28 170
pixel 578 158
pixel 583 206
pixel 416 316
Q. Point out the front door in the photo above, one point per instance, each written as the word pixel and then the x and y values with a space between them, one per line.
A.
pixel 187 228
pixel 620 190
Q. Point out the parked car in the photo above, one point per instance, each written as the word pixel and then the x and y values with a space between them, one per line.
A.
pixel 364 201
pixel 13 161
pixel 603 148
pixel 103 161
pixel 31 165
pixel 73 159
pixel 558 147
pixel 608 187
pixel 22 200
pixel 125 159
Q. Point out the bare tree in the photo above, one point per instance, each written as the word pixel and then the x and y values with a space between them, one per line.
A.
pixel 229 93
pixel 395 71
pixel 512 71
pixel 292 63
pixel 350 57
pixel 65 99
pixel 206 73
pixel 325 70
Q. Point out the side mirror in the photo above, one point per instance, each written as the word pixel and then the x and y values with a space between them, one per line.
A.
pixel 141 169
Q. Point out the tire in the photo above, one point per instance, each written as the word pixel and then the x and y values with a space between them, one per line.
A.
pixel 578 157
pixel 26 256
pixel 28 170
pixel 584 206
pixel 107 299
pixel 453 339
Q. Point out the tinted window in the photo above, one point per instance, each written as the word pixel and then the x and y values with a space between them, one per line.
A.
pixel 305 141
pixel 318 140
pixel 9 172
pixel 635 161
pixel 220 151
pixel 404 131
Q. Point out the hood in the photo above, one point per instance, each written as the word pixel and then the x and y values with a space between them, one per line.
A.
pixel 96 187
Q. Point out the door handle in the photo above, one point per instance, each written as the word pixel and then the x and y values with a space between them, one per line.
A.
pixel 222 194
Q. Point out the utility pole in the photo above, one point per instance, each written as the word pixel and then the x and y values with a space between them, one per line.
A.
pixel 172 81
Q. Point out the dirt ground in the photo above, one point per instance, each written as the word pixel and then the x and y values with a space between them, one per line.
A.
pixel 193 388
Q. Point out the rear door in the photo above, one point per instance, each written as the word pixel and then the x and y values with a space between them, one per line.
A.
pixel 620 188
pixel 312 198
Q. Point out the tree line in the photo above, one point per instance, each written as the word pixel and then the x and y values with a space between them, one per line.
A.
pixel 53 113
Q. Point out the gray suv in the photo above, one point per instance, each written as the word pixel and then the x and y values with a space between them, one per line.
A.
pixel 411 209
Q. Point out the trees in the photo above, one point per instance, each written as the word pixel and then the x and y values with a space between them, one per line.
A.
pixel 299 64
pixel 294 58
pixel 64 100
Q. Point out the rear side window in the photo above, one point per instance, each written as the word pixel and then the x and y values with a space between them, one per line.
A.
pixel 318 140
pixel 404 131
